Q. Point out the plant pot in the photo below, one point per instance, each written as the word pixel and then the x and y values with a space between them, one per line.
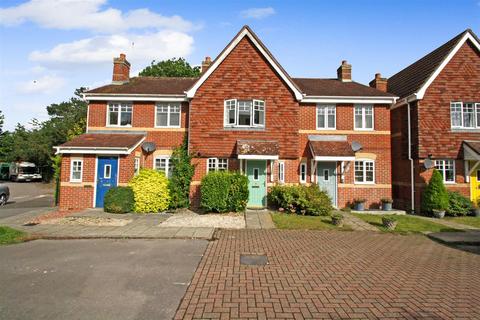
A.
pixel 360 206
pixel 439 214
pixel 476 212
pixel 336 221
pixel 386 206
pixel 389 224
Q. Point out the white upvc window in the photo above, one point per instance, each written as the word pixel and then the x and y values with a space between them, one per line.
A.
pixel 167 115
pixel 364 172
pixel 119 114
pixel 446 169
pixel 465 115
pixel 326 116
pixel 136 165
pixel 217 164
pixel 163 164
pixel 281 171
pixel 76 170
pixel 303 172
pixel 363 117
pixel 244 113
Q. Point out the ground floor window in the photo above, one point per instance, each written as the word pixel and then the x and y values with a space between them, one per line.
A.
pixel 281 172
pixel 137 165
pixel 217 164
pixel 76 169
pixel 164 165
pixel 364 171
pixel 303 172
pixel 446 169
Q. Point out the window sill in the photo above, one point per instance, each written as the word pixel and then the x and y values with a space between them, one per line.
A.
pixel 325 129
pixel 244 128
pixel 76 181
pixel 111 126
pixel 449 182
pixel 356 129
pixel 364 183
pixel 464 130
pixel 167 127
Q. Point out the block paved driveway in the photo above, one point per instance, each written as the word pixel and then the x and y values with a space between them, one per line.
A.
pixel 333 275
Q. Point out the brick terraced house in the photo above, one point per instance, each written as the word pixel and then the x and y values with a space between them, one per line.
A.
pixel 436 121
pixel 243 113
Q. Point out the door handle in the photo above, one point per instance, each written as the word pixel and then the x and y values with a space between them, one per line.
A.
pixel 255 187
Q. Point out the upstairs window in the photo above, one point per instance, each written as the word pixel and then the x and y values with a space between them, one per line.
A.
pixel 119 115
pixel 326 117
pixel 168 115
pixel 164 165
pixel 447 169
pixel 244 113
pixel 465 115
pixel 363 117
pixel 217 164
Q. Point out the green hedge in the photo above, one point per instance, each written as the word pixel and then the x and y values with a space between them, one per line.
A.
pixel 435 196
pixel 458 205
pixel 301 200
pixel 150 188
pixel 119 200
pixel 224 191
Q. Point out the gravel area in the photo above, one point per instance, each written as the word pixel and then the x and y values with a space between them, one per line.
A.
pixel 89 221
pixel 213 220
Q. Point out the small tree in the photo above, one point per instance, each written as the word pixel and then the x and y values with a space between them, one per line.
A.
pixel 181 178
pixel 435 196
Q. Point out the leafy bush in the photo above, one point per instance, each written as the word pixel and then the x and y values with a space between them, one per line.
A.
pixel 119 200
pixel 386 200
pixel 181 178
pixel 300 199
pixel 359 200
pixel 224 191
pixel 435 195
pixel 150 189
pixel 458 205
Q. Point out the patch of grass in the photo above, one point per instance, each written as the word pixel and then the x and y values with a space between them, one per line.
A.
pixel 294 221
pixel 406 223
pixel 470 221
pixel 9 235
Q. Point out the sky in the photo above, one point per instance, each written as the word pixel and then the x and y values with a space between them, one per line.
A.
pixel 48 48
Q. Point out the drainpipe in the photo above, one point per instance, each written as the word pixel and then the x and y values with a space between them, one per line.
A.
pixel 412 176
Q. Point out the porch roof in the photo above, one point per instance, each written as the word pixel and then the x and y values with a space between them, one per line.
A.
pixel 333 149
pixel 257 149
pixel 102 143
pixel 471 150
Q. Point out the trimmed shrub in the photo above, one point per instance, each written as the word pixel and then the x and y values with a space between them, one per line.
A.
pixel 119 200
pixel 179 183
pixel 458 205
pixel 300 199
pixel 150 189
pixel 435 196
pixel 223 191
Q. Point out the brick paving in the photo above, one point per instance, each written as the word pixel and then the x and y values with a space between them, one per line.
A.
pixel 332 275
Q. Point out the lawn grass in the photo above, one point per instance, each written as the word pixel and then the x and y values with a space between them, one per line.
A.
pixel 470 221
pixel 9 235
pixel 299 222
pixel 406 223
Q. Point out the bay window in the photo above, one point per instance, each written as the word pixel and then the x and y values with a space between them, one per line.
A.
pixel 363 115
pixel 446 169
pixel 168 115
pixel 244 113
pixel 326 117
pixel 119 114
pixel 364 171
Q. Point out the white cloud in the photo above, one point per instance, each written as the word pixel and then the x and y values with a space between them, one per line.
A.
pixel 87 15
pixel 102 49
pixel 46 84
pixel 257 13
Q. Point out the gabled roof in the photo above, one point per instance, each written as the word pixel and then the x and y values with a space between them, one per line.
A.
pixel 335 87
pixel 417 77
pixel 114 143
pixel 247 32
pixel 148 85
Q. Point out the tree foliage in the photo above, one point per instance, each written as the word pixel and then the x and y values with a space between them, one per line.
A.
pixel 435 196
pixel 183 170
pixel 176 67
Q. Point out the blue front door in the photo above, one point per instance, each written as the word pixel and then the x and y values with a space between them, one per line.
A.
pixel 107 168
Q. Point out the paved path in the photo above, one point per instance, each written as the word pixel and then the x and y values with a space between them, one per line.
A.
pixel 357 223
pixel 332 275
pixel 258 219
pixel 447 223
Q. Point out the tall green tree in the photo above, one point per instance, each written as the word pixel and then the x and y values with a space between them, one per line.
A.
pixel 176 67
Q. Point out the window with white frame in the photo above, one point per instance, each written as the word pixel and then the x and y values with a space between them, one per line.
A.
pixel 281 171
pixel 446 169
pixel 363 117
pixel 119 114
pixel 164 165
pixel 465 115
pixel 303 172
pixel 168 114
pixel 244 113
pixel 217 164
pixel 76 170
pixel 326 116
pixel 364 171
pixel 136 165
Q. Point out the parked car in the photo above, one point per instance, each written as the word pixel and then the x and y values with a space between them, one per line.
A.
pixel 24 171
pixel 4 194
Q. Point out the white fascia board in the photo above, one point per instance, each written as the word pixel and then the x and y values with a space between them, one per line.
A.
pixel 466 37
pixel 257 157
pixel 136 145
pixel 332 158
pixel 405 101
pixel 134 97
pixel 77 150
pixel 340 99
pixel 191 92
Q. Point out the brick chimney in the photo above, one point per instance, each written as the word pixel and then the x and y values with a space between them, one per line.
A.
pixel 121 70
pixel 344 72
pixel 379 83
pixel 206 64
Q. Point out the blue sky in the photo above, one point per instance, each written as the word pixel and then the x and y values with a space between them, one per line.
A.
pixel 48 48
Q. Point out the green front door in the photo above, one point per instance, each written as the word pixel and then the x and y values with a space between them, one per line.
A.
pixel 257 183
